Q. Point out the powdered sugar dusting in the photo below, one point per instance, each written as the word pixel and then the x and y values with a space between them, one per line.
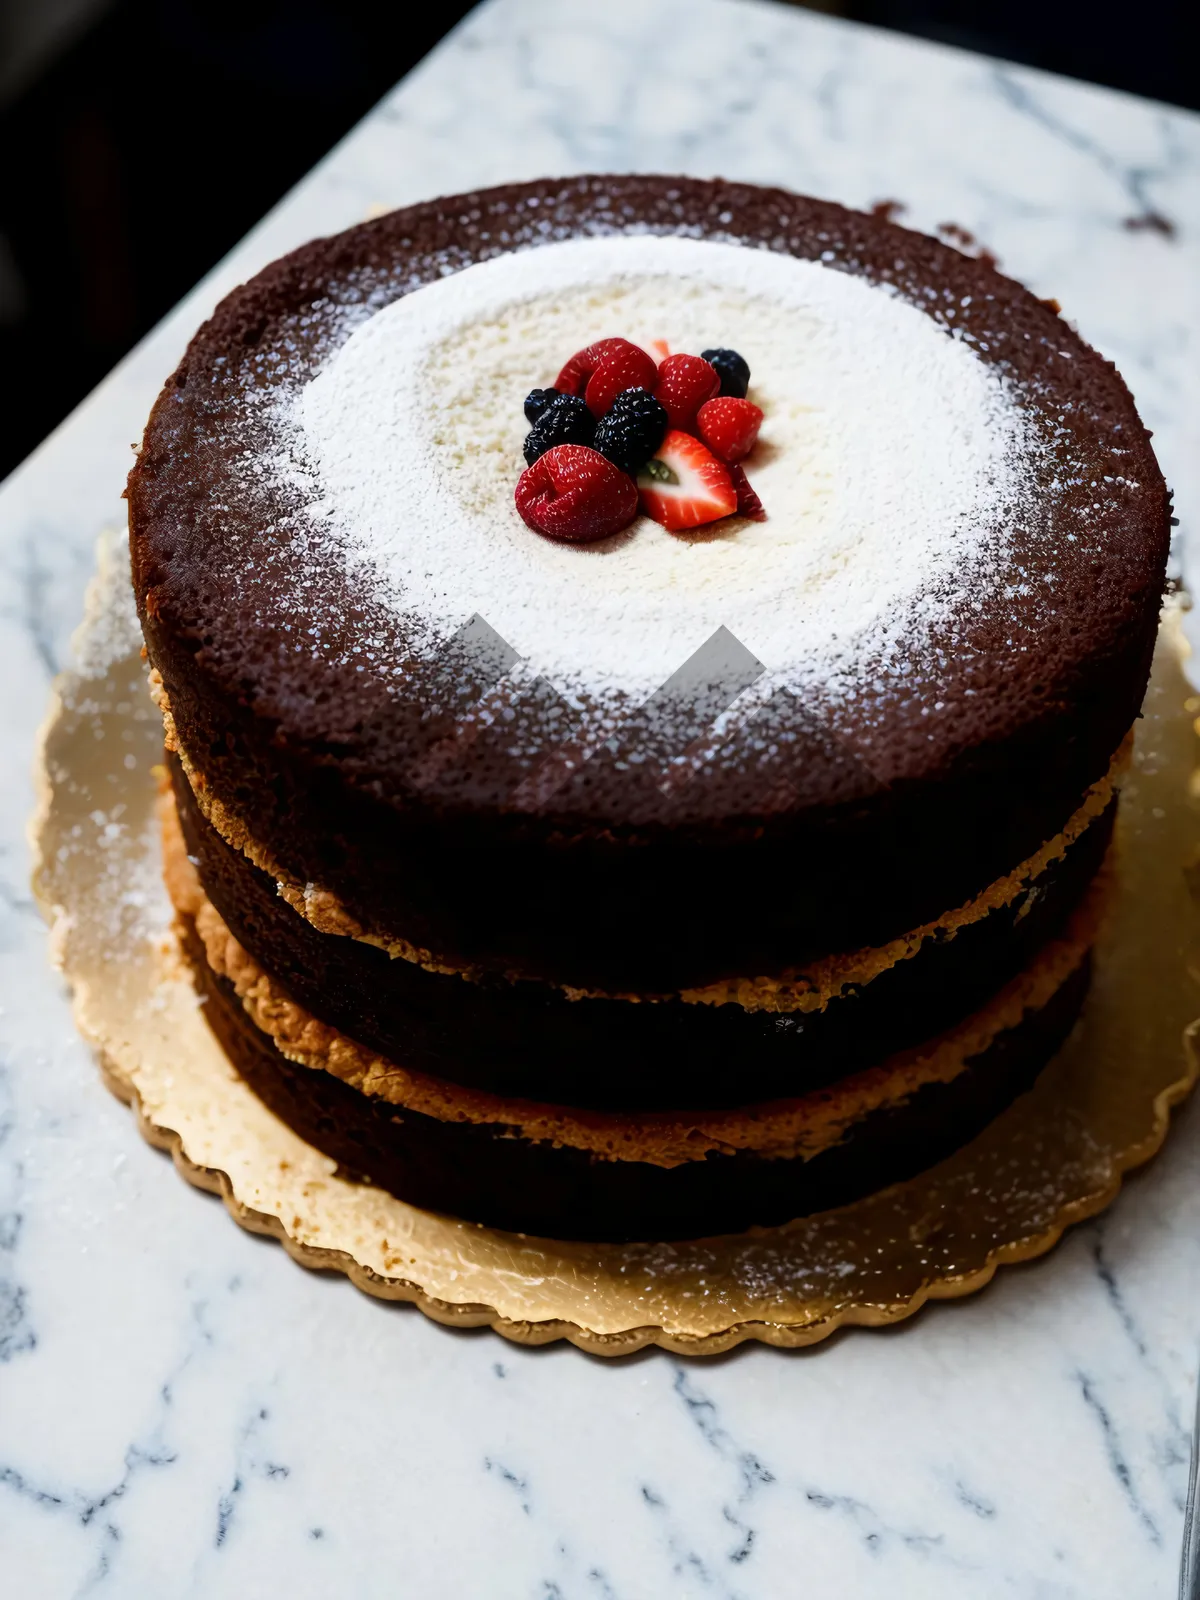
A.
pixel 891 461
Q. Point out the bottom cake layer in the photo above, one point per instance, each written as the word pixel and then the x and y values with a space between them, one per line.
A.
pixel 520 1177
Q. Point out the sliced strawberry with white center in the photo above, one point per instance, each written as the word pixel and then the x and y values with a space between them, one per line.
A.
pixel 685 485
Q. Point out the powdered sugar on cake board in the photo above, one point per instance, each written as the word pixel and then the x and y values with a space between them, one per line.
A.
pixel 891 461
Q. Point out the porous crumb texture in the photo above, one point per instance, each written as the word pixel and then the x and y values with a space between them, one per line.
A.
pixel 784 1129
pixel 491 1173
pixel 793 989
pixel 931 648
pixel 533 1041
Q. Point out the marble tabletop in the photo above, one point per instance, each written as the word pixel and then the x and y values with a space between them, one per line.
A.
pixel 183 1411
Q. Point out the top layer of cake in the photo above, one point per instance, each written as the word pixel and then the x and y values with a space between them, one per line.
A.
pixel 878 700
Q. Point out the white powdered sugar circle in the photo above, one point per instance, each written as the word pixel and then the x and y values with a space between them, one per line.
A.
pixel 891 460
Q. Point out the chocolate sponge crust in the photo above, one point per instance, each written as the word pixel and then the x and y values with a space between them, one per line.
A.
pixel 490 1176
pixel 529 1040
pixel 870 826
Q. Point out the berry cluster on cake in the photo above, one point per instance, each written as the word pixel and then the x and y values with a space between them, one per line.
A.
pixel 567 835
pixel 680 426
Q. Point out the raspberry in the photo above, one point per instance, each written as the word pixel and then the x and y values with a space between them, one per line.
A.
pixel 574 376
pixel 565 420
pixel 632 430
pixel 729 426
pixel 684 384
pixel 629 368
pixel 732 369
pixel 574 494
pixel 748 503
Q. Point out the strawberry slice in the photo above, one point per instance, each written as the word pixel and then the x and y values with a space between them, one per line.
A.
pixel 685 485
pixel 574 376
pixel 684 384
pixel 629 368
pixel 748 503
pixel 729 426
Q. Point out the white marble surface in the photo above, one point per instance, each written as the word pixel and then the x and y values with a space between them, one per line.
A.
pixel 185 1412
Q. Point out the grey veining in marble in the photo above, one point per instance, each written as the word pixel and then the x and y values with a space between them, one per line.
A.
pixel 185 1412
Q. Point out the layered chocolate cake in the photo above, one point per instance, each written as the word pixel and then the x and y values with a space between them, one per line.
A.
pixel 668 796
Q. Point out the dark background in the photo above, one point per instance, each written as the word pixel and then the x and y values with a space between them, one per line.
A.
pixel 139 139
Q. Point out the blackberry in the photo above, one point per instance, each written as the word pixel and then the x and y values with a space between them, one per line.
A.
pixel 564 420
pixel 732 369
pixel 632 430
pixel 536 402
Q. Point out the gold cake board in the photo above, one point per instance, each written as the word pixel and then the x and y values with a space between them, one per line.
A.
pixel 1057 1156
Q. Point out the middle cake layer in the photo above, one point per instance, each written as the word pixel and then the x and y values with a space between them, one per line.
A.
pixel 541 1042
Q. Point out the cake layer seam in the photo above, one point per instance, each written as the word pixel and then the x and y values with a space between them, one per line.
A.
pixel 804 991
pixel 780 1129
